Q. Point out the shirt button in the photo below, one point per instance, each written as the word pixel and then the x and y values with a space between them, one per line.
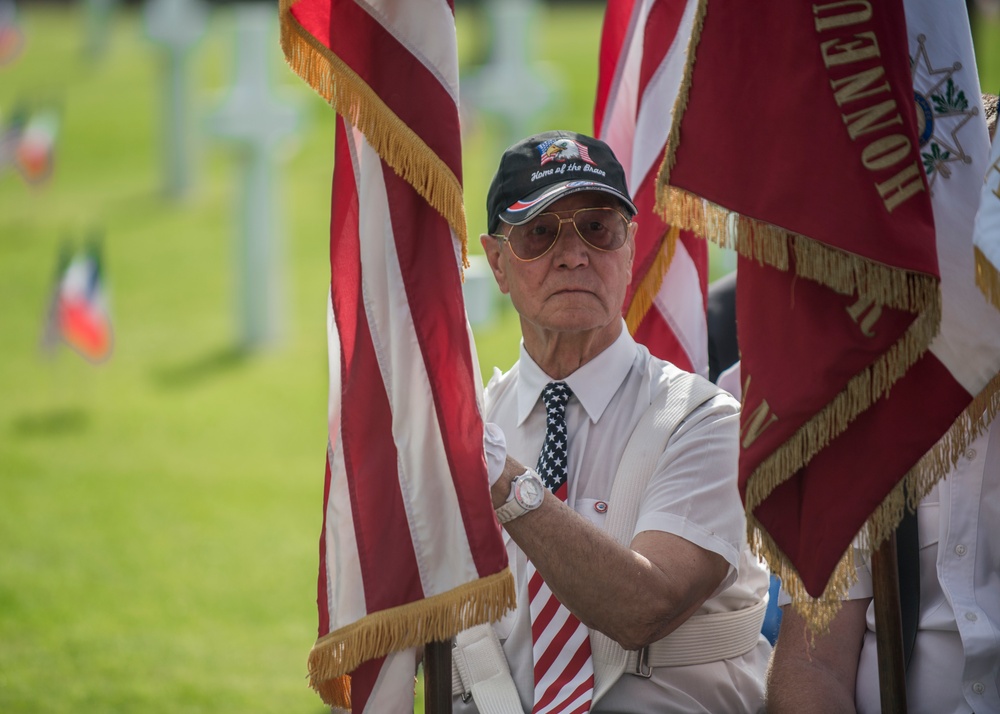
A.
pixel 970 454
pixel 971 616
pixel 978 688
pixel 960 550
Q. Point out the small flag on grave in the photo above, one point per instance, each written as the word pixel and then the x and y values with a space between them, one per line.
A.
pixel 78 311
pixel 28 141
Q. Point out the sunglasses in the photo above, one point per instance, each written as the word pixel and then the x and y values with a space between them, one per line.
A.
pixel 603 229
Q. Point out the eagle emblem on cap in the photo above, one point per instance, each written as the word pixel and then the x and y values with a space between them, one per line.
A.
pixel 563 150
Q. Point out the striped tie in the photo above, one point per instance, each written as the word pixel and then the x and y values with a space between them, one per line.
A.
pixel 564 671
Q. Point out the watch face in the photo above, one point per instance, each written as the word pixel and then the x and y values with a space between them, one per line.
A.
pixel 529 492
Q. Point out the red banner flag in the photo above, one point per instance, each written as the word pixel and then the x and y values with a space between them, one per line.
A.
pixel 818 170
pixel 410 551
pixel 644 48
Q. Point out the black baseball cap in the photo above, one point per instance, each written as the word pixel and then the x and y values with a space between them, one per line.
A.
pixel 538 170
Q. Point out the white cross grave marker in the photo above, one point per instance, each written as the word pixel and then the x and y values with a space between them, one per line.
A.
pixel 176 26
pixel 254 121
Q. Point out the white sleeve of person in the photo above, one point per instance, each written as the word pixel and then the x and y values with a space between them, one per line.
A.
pixel 495 444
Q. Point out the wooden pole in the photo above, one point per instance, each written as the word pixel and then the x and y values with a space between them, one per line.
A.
pixel 437 678
pixel 889 628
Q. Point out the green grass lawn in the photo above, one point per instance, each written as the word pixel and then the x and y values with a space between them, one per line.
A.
pixel 159 513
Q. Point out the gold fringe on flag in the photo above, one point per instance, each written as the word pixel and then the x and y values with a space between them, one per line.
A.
pixel 987 278
pixel 763 242
pixel 872 281
pixel 817 612
pixel 397 144
pixel 911 489
pixel 861 391
pixel 768 244
pixel 432 619
pixel 646 293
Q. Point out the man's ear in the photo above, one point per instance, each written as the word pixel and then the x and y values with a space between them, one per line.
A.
pixel 633 228
pixel 492 248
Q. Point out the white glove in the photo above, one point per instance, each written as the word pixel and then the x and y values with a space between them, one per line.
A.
pixel 495 444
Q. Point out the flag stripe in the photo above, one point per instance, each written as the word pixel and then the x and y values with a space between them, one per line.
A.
pixel 663 21
pixel 615 36
pixel 386 66
pixel 644 48
pixel 655 329
pixel 322 592
pixel 435 297
pixel 391 270
pixel 380 521
pixel 411 550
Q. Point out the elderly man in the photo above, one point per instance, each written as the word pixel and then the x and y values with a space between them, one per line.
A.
pixel 636 590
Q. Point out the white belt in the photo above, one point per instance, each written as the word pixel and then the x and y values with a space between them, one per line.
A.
pixel 702 638
pixel 480 669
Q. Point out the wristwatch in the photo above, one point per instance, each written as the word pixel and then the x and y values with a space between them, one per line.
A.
pixel 526 494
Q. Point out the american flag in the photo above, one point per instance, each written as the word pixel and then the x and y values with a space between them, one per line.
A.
pixel 642 60
pixel 410 550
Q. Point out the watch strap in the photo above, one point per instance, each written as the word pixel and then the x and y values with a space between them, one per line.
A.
pixel 510 510
pixel 514 508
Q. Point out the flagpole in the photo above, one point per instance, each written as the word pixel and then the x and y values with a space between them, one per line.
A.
pixel 889 628
pixel 437 677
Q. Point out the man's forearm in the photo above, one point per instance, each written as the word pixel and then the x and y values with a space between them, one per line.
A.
pixel 609 586
pixel 816 674
pixel 806 689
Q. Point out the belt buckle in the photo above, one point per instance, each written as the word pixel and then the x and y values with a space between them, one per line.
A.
pixel 642 668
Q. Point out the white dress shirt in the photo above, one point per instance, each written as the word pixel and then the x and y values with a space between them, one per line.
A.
pixel 693 494
pixel 955 667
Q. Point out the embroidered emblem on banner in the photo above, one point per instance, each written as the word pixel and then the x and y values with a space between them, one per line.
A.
pixel 943 109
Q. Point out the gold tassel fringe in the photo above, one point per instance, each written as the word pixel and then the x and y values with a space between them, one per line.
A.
pixel 817 612
pixel 394 141
pixel 859 394
pixel 987 278
pixel 932 467
pixel 768 244
pixel 765 243
pixel 849 274
pixel 432 619
pixel 646 293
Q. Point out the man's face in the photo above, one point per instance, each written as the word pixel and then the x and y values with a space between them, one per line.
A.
pixel 573 287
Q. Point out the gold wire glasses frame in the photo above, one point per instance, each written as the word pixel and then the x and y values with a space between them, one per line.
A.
pixel 531 240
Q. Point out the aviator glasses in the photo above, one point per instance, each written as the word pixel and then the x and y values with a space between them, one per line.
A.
pixel 603 229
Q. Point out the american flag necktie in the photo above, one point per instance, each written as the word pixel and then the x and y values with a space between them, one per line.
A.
pixel 564 670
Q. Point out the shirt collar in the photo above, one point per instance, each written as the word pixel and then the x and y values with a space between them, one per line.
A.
pixel 594 384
